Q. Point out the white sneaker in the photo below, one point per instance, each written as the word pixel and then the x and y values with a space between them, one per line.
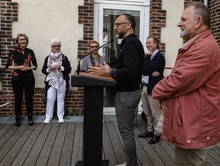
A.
pixel 123 164
pixel 47 120
pixel 61 120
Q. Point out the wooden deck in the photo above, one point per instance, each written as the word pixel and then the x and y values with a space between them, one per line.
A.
pixel 61 144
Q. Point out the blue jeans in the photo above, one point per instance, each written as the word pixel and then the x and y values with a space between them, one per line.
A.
pixel 125 104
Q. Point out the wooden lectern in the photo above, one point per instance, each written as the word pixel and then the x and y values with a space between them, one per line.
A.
pixel 93 116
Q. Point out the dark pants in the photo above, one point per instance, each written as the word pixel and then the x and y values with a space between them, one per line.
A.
pixel 26 85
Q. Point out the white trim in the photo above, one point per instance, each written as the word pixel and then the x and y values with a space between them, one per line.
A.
pixel 127 2
pixel 142 6
pixel 206 2
pixel 109 111
pixel 98 17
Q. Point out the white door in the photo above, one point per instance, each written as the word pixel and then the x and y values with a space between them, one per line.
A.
pixel 104 17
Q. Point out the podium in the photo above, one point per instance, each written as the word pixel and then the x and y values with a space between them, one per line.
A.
pixel 93 116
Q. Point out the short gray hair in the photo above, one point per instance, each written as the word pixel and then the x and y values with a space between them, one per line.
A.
pixel 55 41
pixel 200 9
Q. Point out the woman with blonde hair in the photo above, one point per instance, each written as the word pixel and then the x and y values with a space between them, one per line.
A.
pixel 94 58
pixel 22 62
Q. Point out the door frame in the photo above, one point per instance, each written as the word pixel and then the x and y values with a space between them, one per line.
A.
pixel 98 19
pixel 144 10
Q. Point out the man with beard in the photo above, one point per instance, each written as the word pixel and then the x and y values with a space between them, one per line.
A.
pixel 128 79
pixel 191 92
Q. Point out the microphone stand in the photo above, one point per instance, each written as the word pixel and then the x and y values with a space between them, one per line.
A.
pixel 78 65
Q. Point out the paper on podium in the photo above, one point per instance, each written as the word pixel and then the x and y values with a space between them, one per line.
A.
pixel 88 79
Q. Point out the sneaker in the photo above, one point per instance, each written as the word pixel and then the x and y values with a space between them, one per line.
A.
pixel 47 120
pixel 123 164
pixel 61 120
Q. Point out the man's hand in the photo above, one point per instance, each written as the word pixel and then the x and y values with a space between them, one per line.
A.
pixel 148 53
pixel 155 74
pixel 100 69
pixel 160 104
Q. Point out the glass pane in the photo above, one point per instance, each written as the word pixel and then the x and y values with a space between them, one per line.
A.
pixel 109 16
pixel 110 51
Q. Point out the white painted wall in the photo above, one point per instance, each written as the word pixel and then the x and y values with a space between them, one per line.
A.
pixel 170 33
pixel 43 20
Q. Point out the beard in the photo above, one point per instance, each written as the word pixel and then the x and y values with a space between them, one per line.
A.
pixel 185 35
pixel 182 33
pixel 120 36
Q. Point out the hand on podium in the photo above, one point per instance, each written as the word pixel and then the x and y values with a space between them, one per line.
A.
pixel 101 70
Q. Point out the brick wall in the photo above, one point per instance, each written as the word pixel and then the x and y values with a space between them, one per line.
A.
pixel 186 2
pixel 215 22
pixel 157 21
pixel 9 13
pixel 86 17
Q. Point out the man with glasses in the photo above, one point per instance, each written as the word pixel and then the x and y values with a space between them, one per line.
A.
pixel 128 79
pixel 94 58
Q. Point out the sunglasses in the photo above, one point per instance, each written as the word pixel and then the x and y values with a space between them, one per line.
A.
pixel 94 46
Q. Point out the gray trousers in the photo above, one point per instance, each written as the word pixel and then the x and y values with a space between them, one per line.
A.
pixel 190 157
pixel 125 104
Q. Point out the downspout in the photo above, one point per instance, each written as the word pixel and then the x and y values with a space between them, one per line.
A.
pixel 206 2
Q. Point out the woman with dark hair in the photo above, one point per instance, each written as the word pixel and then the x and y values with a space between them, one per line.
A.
pixel 22 62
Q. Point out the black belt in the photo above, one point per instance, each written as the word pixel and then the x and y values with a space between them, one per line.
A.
pixel 145 84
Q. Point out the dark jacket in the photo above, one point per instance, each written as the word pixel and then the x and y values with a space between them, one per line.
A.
pixel 67 70
pixel 156 64
pixel 130 65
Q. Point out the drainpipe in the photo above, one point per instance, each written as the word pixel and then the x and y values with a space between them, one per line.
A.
pixel 206 2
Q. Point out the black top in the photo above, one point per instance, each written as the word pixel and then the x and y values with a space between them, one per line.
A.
pixel 155 64
pixel 21 57
pixel 129 69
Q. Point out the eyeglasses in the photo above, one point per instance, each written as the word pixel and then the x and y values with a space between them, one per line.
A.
pixel 117 24
pixel 54 46
pixel 94 46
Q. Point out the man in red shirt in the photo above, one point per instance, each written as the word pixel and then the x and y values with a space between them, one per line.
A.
pixel 191 92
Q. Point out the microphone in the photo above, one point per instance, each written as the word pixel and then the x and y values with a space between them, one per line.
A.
pixel 78 65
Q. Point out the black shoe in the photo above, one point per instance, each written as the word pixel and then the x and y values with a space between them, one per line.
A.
pixel 30 121
pixel 17 123
pixel 155 139
pixel 146 134
pixel 143 116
